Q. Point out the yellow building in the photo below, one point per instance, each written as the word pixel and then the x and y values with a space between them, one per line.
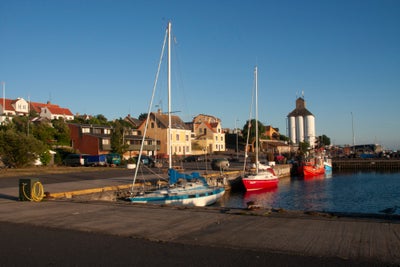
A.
pixel 208 133
pixel 272 133
pixel 158 128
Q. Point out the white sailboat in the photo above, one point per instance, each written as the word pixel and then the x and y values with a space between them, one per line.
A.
pixel 183 189
pixel 264 176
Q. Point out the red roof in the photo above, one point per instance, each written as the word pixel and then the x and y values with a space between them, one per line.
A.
pixel 57 110
pixel 210 125
pixel 38 106
pixel 8 103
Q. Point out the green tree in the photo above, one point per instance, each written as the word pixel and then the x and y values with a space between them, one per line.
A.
pixel 142 117
pixel 117 137
pixel 284 138
pixel 19 150
pixel 101 119
pixel 304 147
pixel 43 132
pixel 45 157
pixel 62 132
pixel 324 140
pixel 79 120
pixel 19 124
pixel 250 130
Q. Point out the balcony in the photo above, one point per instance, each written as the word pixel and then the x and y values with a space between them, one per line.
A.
pixel 145 147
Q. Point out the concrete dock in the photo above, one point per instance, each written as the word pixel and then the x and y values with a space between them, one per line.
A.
pixel 353 238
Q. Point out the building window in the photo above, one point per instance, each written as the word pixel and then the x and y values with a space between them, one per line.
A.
pixel 85 130
pixel 105 141
pixel 187 138
pixel 177 137
pixel 216 138
pixel 107 131
pixel 222 138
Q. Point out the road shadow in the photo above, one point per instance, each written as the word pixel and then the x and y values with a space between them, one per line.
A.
pixel 9 197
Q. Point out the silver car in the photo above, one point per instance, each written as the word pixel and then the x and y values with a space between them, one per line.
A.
pixel 221 164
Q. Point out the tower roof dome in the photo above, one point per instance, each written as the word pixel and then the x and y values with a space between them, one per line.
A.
pixel 300 109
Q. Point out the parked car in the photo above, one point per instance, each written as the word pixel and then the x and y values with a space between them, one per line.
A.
pixel 146 160
pixel 114 159
pixel 220 164
pixel 96 160
pixel 75 160
pixel 192 158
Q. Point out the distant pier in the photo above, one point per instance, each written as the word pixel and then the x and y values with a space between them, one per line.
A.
pixel 366 164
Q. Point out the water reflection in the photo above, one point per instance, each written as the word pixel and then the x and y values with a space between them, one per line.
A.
pixel 260 197
pixel 359 192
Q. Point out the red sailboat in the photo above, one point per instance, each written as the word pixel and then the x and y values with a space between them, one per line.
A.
pixel 263 176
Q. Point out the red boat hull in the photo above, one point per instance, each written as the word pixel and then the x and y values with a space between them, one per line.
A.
pixel 311 170
pixel 259 184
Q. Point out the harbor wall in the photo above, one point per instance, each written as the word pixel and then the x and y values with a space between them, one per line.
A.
pixel 366 164
pixel 232 178
pixel 282 170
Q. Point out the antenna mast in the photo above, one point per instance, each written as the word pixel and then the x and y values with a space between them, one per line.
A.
pixel 4 97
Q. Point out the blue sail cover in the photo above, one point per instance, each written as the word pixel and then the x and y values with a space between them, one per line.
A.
pixel 174 176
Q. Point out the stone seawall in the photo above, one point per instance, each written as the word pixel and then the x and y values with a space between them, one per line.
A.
pixel 282 170
pixel 366 164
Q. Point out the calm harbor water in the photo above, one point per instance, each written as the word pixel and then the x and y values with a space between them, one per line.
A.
pixel 361 192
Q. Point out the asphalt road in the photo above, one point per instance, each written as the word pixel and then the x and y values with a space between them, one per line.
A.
pixel 28 245
pixel 105 173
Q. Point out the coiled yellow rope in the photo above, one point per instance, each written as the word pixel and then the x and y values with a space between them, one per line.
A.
pixel 37 192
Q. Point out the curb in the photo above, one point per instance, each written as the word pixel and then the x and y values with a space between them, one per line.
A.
pixel 70 194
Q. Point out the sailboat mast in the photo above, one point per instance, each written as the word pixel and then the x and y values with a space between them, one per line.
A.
pixel 4 97
pixel 256 84
pixel 169 98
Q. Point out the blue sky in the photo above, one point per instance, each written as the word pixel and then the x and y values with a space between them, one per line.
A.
pixel 101 56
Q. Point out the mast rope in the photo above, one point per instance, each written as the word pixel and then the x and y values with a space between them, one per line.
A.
pixel 149 109
pixel 249 126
